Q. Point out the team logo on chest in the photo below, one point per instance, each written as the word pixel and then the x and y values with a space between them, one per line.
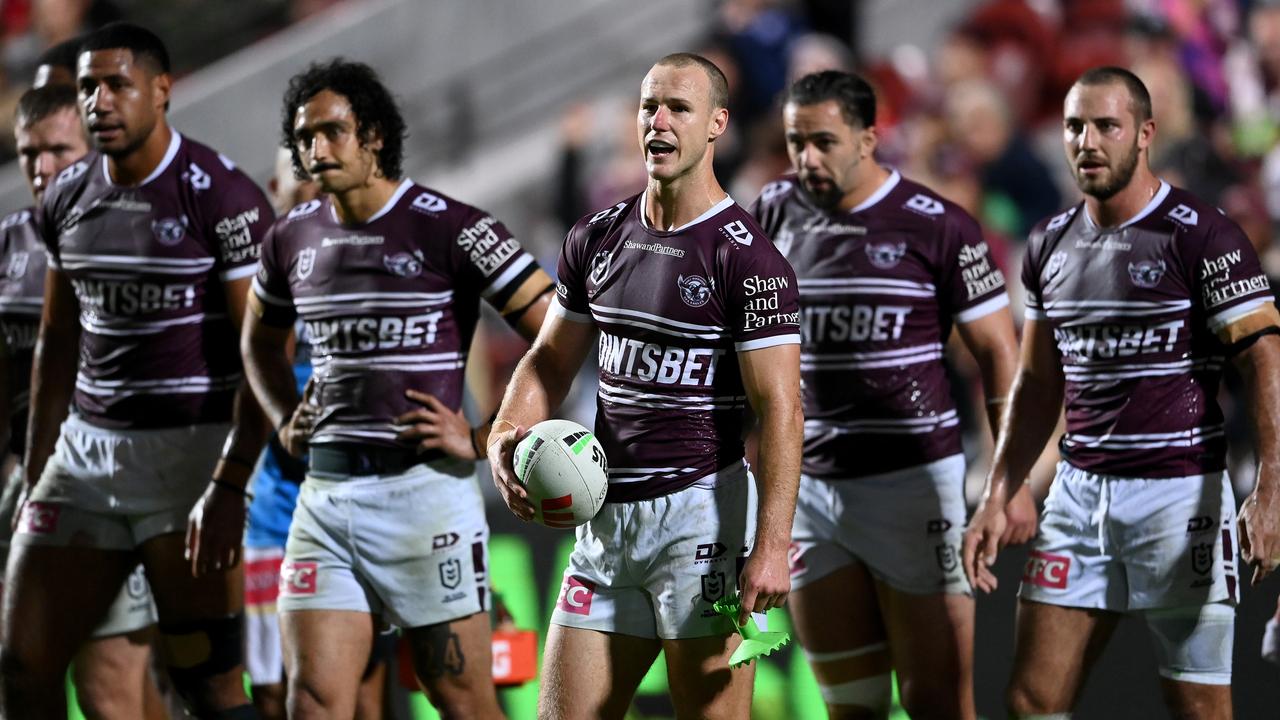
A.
pixel 886 255
pixel 306 262
pixel 694 290
pixel 404 264
pixel 1146 273
pixel 1056 261
pixel 17 266
pixel 169 231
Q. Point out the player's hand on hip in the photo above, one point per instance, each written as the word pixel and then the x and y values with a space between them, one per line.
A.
pixel 764 583
pixel 435 427
pixel 296 433
pixel 1260 532
pixel 501 452
pixel 982 545
pixel 215 530
pixel 1021 518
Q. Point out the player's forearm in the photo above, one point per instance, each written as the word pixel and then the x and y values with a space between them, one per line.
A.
pixel 999 366
pixel 270 376
pixel 781 445
pixel 1260 366
pixel 1034 405
pixel 537 388
pixel 245 440
pixel 52 384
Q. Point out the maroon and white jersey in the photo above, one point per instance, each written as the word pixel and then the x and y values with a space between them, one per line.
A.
pixel 390 304
pixel 22 267
pixel 148 263
pixel 1134 311
pixel 673 308
pixel 880 286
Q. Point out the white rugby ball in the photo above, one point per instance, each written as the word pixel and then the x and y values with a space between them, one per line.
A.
pixel 564 469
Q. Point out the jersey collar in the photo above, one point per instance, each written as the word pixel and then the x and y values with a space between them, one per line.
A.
pixel 710 213
pixel 885 188
pixel 1156 200
pixel 175 141
pixel 395 198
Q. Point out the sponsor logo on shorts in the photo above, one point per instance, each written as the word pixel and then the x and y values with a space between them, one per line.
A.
pixel 1202 558
pixel 451 573
pixel 39 518
pixel 1047 570
pixel 262 581
pixel 439 542
pixel 575 596
pixel 946 555
pixel 1200 524
pixel 938 526
pixel 709 551
pixel 298 578
pixel 713 586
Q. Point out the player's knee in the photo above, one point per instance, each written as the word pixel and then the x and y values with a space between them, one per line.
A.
pixel 1026 703
pixel 455 697
pixel 854 683
pixel 202 656
pixel 936 696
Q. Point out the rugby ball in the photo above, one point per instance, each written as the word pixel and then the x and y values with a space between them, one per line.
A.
pixel 564 469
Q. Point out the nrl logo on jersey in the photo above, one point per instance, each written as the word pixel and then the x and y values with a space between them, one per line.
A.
pixel 694 290
pixel 600 266
pixel 169 231
pixel 1056 261
pixel 17 266
pixel 306 262
pixel 885 255
pixel 1146 273
pixel 404 264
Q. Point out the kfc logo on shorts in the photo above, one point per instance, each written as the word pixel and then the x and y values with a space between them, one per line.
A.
pixel 451 573
pixel 298 578
pixel 1047 570
pixel 575 596
pixel 39 518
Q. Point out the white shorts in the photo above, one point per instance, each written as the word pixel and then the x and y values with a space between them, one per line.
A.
pixel 904 526
pixel 1123 544
pixel 411 548
pixel 653 568
pixel 115 489
pixel 264 654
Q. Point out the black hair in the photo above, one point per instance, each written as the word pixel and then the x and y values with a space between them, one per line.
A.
pixel 371 102
pixel 146 46
pixel 63 55
pixel 39 103
pixel 1140 99
pixel 854 95
pixel 719 85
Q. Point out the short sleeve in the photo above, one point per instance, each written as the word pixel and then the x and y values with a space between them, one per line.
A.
pixel 973 286
pixel 1229 281
pixel 239 221
pixel 271 284
pixel 571 276
pixel 490 258
pixel 762 300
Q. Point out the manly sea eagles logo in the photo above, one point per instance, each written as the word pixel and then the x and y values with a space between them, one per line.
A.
pixel 600 266
pixel 1146 273
pixel 404 264
pixel 306 262
pixel 886 255
pixel 169 231
pixel 17 265
pixel 694 290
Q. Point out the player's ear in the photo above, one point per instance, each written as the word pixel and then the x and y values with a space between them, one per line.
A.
pixel 868 141
pixel 161 88
pixel 719 123
pixel 1146 133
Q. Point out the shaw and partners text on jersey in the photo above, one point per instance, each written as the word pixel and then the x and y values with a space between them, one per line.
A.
pixel 754 310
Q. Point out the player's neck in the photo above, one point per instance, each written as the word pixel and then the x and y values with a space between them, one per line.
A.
pixel 870 180
pixel 1124 205
pixel 679 201
pixel 357 205
pixel 133 168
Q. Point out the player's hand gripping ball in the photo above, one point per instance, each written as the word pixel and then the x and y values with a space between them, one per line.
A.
pixel 564 469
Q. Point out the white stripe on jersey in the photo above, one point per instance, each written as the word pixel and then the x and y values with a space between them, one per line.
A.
pixel 1231 314
pixel 116 263
pixel 866 286
pixel 867 360
pixel 333 431
pixel 1083 311
pixel 632 475
pixel 426 362
pixel 634 398
pixel 559 309
pixel 501 281
pixel 1181 438
pixel 238 273
pixel 768 342
pixel 267 297
pixel 194 384
pixel 982 309
pixel 1084 373
pixel 647 321
pixel 21 306
pixel 321 305
pixel 143 327
pixel 884 426
pixel 671 397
